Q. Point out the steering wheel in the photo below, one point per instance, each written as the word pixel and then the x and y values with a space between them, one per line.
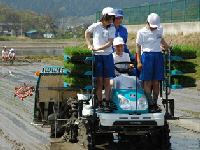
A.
pixel 124 70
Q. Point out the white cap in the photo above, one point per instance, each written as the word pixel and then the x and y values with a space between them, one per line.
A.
pixel 118 41
pixel 12 50
pixel 4 46
pixel 153 20
pixel 108 10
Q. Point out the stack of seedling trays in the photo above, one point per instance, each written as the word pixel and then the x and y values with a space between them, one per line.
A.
pixel 78 68
pixel 181 66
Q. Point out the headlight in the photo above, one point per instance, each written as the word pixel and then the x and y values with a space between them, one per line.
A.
pixel 142 103
pixel 124 103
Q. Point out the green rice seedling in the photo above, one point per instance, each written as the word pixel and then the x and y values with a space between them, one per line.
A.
pixel 183 80
pixel 181 50
pixel 183 66
pixel 133 52
pixel 77 66
pixel 75 80
pixel 77 52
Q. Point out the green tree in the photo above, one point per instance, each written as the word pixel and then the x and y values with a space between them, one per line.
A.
pixel 30 20
pixel 14 19
pixel 4 10
pixel 50 21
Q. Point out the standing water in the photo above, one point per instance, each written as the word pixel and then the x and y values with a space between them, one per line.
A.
pixel 22 52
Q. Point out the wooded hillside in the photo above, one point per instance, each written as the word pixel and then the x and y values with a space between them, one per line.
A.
pixel 74 7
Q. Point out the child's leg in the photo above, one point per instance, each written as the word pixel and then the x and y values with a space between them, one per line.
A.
pixel 155 91
pixel 99 89
pixel 111 81
pixel 147 90
pixel 106 82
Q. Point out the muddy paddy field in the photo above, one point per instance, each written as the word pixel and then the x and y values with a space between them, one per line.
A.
pixel 16 116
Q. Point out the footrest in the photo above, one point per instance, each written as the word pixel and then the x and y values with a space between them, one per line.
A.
pixel 173 86
pixel 88 87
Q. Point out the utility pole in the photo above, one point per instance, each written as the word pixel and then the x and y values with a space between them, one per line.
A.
pixel 21 26
pixel 62 25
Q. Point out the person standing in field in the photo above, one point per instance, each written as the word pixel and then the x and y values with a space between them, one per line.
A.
pixel 150 59
pixel 103 35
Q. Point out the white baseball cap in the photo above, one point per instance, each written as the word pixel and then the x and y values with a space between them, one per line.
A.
pixel 118 41
pixel 4 46
pixel 108 10
pixel 153 20
pixel 11 50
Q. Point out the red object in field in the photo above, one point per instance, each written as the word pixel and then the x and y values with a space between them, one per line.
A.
pixel 24 91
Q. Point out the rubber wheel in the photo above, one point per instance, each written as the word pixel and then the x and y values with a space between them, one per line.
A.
pixel 161 139
pixel 59 132
pixel 85 137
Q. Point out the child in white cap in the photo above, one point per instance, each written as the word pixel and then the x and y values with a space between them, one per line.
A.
pixel 103 35
pixel 4 53
pixel 12 54
pixel 120 56
pixel 149 57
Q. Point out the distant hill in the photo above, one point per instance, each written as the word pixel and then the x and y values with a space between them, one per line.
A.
pixel 74 7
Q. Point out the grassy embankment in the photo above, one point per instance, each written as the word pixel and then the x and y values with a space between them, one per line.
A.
pixel 24 39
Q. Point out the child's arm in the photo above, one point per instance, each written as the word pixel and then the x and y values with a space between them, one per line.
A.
pixel 107 45
pixel 163 42
pixel 87 37
pixel 139 65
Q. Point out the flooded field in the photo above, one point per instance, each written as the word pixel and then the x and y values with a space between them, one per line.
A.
pixel 22 52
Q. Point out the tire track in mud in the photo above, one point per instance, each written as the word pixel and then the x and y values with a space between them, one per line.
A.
pixel 16 132
pixel 12 144
pixel 20 135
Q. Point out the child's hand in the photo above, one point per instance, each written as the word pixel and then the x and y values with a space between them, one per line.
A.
pixel 132 66
pixel 96 49
pixel 165 47
pixel 139 66
pixel 90 47
pixel 162 47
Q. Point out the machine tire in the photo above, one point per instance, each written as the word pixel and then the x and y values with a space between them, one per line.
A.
pixel 161 139
pixel 59 133
pixel 165 140
pixel 85 137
